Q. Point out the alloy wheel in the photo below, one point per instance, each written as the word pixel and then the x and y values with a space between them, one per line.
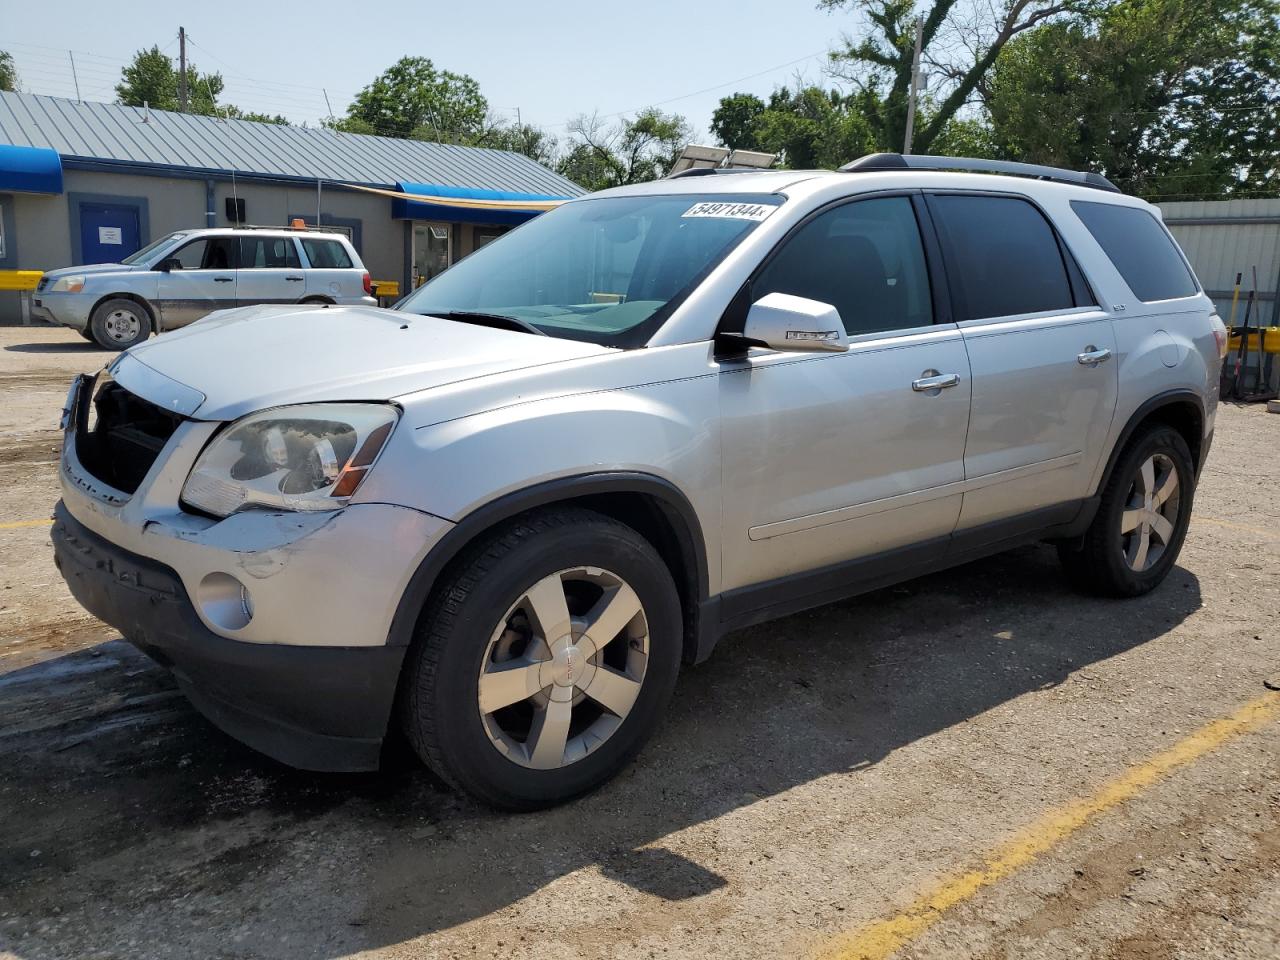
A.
pixel 1151 513
pixel 563 667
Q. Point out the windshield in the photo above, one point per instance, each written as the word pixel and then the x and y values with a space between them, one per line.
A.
pixel 140 256
pixel 607 270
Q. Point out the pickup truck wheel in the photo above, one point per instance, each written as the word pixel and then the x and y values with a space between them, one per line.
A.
pixel 545 660
pixel 120 324
pixel 1142 520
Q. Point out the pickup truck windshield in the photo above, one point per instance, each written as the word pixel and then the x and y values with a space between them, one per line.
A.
pixel 607 270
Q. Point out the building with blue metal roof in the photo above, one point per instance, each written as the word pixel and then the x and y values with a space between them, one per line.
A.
pixel 92 182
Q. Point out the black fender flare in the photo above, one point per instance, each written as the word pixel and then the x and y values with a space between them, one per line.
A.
pixel 562 489
pixel 1161 400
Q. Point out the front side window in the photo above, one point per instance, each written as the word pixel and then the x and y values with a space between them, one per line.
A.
pixel 207 253
pixel 607 270
pixel 265 253
pixel 863 258
pixel 1002 257
pixel 1140 248
pixel 326 254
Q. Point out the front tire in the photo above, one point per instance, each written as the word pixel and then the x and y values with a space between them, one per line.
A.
pixel 120 324
pixel 545 659
pixel 1142 521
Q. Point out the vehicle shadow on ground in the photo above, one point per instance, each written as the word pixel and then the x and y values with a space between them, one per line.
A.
pixel 142 813
pixel 79 346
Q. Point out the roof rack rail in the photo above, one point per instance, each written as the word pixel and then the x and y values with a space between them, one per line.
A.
pixel 897 161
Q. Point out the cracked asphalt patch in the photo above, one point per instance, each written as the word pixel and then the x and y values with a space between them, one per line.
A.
pixel 815 777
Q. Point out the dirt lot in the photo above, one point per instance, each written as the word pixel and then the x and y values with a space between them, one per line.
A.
pixel 817 776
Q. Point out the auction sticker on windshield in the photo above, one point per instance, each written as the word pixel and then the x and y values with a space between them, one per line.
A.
pixel 732 211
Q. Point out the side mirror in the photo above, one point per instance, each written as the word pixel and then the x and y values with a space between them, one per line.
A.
pixel 780 321
pixel 169 264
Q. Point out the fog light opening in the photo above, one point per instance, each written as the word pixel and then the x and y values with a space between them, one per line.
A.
pixel 225 601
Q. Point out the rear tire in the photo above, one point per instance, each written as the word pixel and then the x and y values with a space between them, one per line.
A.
pixel 1142 520
pixel 120 324
pixel 504 707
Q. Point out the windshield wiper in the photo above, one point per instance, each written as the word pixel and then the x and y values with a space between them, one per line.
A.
pixel 499 320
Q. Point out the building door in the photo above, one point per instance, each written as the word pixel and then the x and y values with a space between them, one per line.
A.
pixel 432 251
pixel 108 232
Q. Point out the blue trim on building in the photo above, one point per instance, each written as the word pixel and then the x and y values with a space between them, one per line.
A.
pixel 30 169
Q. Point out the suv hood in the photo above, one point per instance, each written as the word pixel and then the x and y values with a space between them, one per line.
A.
pixel 89 269
pixel 234 362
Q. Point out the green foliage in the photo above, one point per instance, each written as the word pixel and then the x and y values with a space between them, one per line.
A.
pixel 236 113
pixel 522 138
pixel 412 99
pixel 633 151
pixel 152 78
pixel 1166 97
pixel 8 72
pixel 810 128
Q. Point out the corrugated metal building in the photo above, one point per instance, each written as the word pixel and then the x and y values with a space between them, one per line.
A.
pixel 1223 238
pixel 92 182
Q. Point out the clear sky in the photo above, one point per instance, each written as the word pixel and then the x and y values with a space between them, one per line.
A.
pixel 553 59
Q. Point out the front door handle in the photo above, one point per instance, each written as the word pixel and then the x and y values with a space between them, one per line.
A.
pixel 294 279
pixel 932 380
pixel 1092 356
pixel 221 279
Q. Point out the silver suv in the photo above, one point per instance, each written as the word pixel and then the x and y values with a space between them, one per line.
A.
pixel 500 516
pixel 186 275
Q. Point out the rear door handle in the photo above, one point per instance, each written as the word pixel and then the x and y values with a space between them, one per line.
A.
pixel 1092 356
pixel 294 279
pixel 935 381
pixel 221 279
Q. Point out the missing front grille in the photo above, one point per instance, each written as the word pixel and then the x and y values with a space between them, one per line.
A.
pixel 124 437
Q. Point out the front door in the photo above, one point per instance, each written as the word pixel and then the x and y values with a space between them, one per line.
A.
pixel 432 251
pixel 202 279
pixel 109 232
pixel 1044 378
pixel 833 457
pixel 270 271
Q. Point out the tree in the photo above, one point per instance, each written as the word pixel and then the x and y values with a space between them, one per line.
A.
pixel 809 128
pixel 235 113
pixel 413 99
pixel 960 43
pixel 522 138
pixel 633 151
pixel 8 72
pixel 735 122
pixel 152 79
pixel 1166 97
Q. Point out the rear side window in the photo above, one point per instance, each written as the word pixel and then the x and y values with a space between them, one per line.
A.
pixel 326 254
pixel 267 252
pixel 1140 248
pixel 1003 258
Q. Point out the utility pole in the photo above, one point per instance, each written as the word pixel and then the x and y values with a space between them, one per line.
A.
pixel 915 86
pixel 182 69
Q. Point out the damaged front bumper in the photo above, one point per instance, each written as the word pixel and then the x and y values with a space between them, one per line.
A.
pixel 277 625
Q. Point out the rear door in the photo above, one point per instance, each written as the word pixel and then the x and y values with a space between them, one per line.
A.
pixel 270 271
pixel 202 279
pixel 331 272
pixel 1042 355
pixel 832 457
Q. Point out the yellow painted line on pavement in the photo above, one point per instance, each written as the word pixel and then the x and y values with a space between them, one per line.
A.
pixel 19 524
pixel 1261 531
pixel 883 938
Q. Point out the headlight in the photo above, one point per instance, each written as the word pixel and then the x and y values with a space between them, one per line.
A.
pixel 306 457
pixel 67 285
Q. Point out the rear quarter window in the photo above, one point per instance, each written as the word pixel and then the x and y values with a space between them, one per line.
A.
pixel 326 254
pixel 1140 248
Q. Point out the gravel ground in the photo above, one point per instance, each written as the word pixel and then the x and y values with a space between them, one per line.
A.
pixel 813 777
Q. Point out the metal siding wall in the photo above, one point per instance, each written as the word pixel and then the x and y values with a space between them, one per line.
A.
pixel 1219 251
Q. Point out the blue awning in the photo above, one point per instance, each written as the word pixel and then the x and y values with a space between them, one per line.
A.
pixel 430 201
pixel 30 169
